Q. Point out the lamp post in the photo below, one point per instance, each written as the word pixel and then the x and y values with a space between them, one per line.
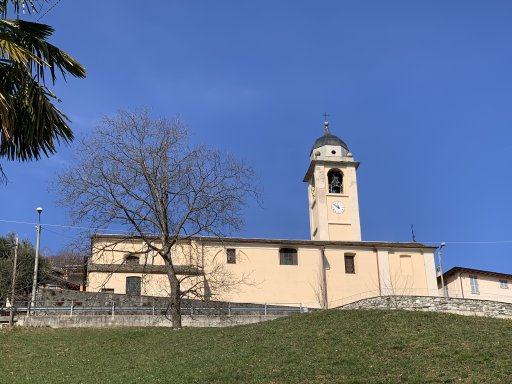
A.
pixel 13 284
pixel 441 268
pixel 36 261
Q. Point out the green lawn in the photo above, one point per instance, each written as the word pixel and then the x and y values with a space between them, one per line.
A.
pixel 322 347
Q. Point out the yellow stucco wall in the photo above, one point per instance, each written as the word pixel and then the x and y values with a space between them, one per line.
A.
pixel 325 224
pixel 258 276
pixel 348 287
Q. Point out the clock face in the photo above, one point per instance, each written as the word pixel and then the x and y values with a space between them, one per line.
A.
pixel 338 207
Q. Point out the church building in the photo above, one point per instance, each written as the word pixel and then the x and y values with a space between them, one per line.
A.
pixel 334 267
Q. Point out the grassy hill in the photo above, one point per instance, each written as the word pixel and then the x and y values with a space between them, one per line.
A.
pixel 323 347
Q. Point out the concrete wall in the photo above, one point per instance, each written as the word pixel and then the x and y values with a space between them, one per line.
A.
pixel 466 307
pixel 101 321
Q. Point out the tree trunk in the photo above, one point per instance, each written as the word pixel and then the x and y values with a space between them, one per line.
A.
pixel 175 296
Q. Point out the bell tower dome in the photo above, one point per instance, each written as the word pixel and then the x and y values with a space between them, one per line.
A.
pixel 332 190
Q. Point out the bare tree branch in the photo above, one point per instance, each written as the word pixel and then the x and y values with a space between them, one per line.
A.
pixel 143 175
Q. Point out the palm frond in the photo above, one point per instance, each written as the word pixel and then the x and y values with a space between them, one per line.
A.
pixel 39 124
pixel 31 125
pixel 7 117
pixel 44 56
pixel 11 50
pixel 23 5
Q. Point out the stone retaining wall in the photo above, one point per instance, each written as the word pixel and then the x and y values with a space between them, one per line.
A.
pixel 467 307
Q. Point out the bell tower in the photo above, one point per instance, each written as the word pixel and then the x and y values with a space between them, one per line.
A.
pixel 332 190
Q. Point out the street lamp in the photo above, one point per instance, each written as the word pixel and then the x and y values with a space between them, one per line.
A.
pixel 13 285
pixel 441 268
pixel 36 261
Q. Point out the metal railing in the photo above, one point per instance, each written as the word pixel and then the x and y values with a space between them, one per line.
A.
pixel 196 308
pixel 226 309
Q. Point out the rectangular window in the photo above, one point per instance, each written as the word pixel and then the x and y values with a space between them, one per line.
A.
pixel 133 285
pixel 350 266
pixel 504 284
pixel 107 290
pixel 474 285
pixel 131 260
pixel 406 265
pixel 446 289
pixel 231 255
pixel 288 256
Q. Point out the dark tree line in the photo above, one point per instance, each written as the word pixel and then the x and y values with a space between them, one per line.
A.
pixel 24 270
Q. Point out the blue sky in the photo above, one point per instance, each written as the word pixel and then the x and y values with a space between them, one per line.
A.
pixel 420 91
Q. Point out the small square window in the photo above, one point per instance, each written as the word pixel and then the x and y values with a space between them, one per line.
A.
pixel 504 284
pixel 231 255
pixel 131 260
pixel 288 256
pixel 350 266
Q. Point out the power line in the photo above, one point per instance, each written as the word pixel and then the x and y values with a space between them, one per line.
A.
pixel 129 232
pixel 469 242
pixel 49 9
pixel 60 233
pixel 64 226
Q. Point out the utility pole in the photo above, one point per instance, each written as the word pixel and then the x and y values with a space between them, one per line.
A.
pixel 36 261
pixel 13 287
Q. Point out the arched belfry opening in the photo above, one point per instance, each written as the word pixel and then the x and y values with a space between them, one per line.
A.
pixel 335 181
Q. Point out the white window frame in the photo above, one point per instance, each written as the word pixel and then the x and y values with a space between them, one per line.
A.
pixel 473 280
pixel 503 283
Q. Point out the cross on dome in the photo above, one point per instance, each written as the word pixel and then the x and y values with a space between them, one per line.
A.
pixel 326 124
pixel 328 138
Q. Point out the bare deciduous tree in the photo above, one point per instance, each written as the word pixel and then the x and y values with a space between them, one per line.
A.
pixel 144 175
pixel 67 258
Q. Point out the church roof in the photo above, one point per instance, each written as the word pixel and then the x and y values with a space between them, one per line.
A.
pixel 328 139
pixel 283 242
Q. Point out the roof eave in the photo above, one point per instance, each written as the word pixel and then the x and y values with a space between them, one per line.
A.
pixel 291 242
pixel 476 271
